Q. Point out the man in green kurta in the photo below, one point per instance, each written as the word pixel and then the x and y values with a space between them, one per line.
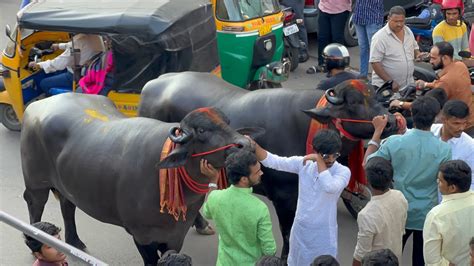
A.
pixel 242 220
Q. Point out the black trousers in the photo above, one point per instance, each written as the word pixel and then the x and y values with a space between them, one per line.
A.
pixel 331 29
pixel 417 256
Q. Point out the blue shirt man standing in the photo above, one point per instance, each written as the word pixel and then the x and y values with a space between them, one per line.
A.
pixel 416 157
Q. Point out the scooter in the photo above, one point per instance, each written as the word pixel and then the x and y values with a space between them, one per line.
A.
pixel 291 40
pixel 422 27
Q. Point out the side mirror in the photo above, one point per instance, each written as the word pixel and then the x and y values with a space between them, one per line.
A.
pixel 8 32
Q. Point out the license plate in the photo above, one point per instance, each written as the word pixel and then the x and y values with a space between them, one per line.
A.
pixel 288 30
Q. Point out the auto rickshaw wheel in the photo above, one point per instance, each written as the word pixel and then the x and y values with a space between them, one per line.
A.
pixel 9 118
pixel 356 201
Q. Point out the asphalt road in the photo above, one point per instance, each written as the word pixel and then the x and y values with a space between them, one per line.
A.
pixel 111 243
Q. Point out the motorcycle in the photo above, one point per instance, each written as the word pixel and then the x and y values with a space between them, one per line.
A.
pixel 291 40
pixel 422 26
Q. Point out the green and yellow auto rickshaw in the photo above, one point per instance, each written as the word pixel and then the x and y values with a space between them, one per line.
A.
pixel 250 42
pixel 148 38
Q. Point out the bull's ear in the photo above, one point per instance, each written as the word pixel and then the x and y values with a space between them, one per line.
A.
pixel 253 132
pixel 176 158
pixel 323 115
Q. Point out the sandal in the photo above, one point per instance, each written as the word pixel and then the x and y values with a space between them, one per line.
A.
pixel 315 69
pixel 205 231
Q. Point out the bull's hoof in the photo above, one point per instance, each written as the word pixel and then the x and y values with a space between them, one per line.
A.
pixel 207 231
pixel 77 244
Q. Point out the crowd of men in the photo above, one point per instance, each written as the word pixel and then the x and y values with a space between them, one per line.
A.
pixel 421 181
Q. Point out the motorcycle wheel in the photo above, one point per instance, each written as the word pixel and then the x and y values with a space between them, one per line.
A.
pixel 292 54
pixel 355 201
pixel 9 118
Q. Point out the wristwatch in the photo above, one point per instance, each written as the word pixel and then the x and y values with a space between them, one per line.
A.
pixel 401 104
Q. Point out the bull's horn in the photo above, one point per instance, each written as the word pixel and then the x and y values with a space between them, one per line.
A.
pixel 183 138
pixel 330 96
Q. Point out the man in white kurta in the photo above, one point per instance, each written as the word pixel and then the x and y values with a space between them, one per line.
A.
pixel 321 182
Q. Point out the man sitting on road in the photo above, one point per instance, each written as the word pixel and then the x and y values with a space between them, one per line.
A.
pixel 452 29
pixel 393 51
pixel 454 78
pixel 336 59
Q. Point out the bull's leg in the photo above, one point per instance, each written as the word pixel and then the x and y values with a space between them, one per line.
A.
pixel 285 210
pixel 35 200
pixel 149 253
pixel 68 210
pixel 202 225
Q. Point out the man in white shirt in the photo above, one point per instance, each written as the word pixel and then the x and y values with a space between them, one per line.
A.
pixel 455 117
pixel 88 45
pixel 321 181
pixel 393 51
pixel 382 221
pixel 450 225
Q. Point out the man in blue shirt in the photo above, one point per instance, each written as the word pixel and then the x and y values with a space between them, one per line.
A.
pixel 415 157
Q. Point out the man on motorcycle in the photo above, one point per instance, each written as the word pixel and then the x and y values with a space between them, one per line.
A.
pixel 335 59
pixel 454 78
pixel 452 29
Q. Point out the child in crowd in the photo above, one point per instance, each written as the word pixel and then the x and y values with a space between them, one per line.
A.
pixel 46 255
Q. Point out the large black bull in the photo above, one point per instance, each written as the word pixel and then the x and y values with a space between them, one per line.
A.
pixel 278 111
pixel 81 147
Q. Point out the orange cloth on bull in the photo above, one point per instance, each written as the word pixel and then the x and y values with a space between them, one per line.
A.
pixel 170 185
pixel 356 156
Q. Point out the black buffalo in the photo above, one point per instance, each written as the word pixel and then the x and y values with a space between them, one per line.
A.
pixel 278 111
pixel 92 157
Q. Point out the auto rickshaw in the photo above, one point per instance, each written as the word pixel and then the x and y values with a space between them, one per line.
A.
pixel 148 38
pixel 250 42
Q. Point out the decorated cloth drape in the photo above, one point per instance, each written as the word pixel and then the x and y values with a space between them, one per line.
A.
pixel 171 185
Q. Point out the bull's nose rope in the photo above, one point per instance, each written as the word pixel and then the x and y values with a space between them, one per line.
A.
pixel 170 184
pixel 215 150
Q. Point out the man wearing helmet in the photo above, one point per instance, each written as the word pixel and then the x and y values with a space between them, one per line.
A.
pixel 452 29
pixel 335 59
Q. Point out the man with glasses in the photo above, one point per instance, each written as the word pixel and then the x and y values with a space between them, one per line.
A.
pixel 321 182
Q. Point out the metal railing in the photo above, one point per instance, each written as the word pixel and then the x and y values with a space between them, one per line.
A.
pixel 49 240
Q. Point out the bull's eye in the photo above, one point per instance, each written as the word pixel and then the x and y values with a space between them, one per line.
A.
pixel 201 130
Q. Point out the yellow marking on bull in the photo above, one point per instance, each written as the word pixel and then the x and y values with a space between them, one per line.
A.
pixel 94 114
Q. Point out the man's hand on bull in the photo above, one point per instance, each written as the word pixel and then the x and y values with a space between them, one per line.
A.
pixel 209 171
pixel 259 151
pixel 379 122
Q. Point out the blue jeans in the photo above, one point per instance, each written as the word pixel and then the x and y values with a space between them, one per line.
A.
pixel 364 37
pixel 63 80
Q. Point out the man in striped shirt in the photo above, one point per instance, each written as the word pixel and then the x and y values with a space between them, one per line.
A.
pixel 368 19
